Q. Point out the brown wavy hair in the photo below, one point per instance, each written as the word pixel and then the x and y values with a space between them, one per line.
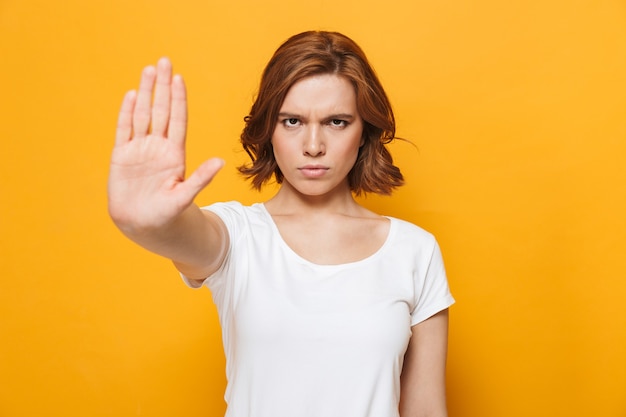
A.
pixel 314 53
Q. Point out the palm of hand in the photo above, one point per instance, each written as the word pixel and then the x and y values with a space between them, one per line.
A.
pixel 147 186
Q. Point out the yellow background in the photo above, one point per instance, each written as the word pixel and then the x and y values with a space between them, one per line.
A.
pixel 518 113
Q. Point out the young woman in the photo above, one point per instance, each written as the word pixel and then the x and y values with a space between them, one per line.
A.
pixel 327 309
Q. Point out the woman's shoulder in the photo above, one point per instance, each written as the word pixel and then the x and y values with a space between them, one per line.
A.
pixel 239 217
pixel 235 207
pixel 411 232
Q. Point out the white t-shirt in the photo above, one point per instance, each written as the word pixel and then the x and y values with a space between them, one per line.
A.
pixel 309 340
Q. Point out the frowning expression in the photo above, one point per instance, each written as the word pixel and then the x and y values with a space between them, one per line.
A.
pixel 318 134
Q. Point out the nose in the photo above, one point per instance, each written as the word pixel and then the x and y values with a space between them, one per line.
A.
pixel 314 142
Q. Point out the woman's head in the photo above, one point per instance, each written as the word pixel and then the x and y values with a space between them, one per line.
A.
pixel 315 53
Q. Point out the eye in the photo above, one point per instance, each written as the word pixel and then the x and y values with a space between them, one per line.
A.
pixel 338 123
pixel 291 122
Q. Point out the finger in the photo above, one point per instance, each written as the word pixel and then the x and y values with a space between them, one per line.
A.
pixel 141 115
pixel 161 104
pixel 125 119
pixel 178 115
pixel 202 176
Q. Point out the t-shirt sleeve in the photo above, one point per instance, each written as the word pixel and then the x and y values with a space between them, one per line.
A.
pixel 432 291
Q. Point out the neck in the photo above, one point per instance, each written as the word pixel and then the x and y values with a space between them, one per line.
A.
pixel 290 201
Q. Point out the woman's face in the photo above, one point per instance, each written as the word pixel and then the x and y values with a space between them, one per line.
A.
pixel 318 135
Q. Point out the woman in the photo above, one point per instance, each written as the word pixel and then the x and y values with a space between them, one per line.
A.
pixel 326 308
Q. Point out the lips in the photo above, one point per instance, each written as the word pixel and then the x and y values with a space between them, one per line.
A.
pixel 313 171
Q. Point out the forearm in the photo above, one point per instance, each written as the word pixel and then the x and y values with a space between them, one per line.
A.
pixel 194 240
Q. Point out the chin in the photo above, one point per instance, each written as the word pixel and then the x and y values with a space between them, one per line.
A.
pixel 319 191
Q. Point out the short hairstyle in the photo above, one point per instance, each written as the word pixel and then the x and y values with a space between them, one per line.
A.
pixel 314 53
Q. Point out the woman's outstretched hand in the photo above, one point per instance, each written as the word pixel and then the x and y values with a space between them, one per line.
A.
pixel 147 187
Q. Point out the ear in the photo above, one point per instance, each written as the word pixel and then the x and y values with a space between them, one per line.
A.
pixel 364 131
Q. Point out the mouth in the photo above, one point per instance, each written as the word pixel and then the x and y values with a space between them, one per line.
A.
pixel 313 171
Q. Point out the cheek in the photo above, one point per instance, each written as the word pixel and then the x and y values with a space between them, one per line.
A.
pixel 280 147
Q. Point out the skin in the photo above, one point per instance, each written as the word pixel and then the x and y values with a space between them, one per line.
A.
pixel 316 141
pixel 149 198
pixel 317 138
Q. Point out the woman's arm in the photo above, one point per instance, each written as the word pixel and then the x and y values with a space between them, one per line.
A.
pixel 150 200
pixel 423 381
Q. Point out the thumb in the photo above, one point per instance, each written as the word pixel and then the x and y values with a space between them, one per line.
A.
pixel 203 175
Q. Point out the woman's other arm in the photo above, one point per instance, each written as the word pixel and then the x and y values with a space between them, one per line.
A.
pixel 423 380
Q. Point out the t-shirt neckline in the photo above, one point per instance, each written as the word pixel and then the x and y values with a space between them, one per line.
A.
pixel 298 257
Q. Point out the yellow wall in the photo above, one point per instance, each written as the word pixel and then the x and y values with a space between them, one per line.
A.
pixel 518 110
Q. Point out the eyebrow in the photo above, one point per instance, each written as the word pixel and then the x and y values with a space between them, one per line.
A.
pixel 330 117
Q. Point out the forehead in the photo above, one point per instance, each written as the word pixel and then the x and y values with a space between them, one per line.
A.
pixel 324 92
